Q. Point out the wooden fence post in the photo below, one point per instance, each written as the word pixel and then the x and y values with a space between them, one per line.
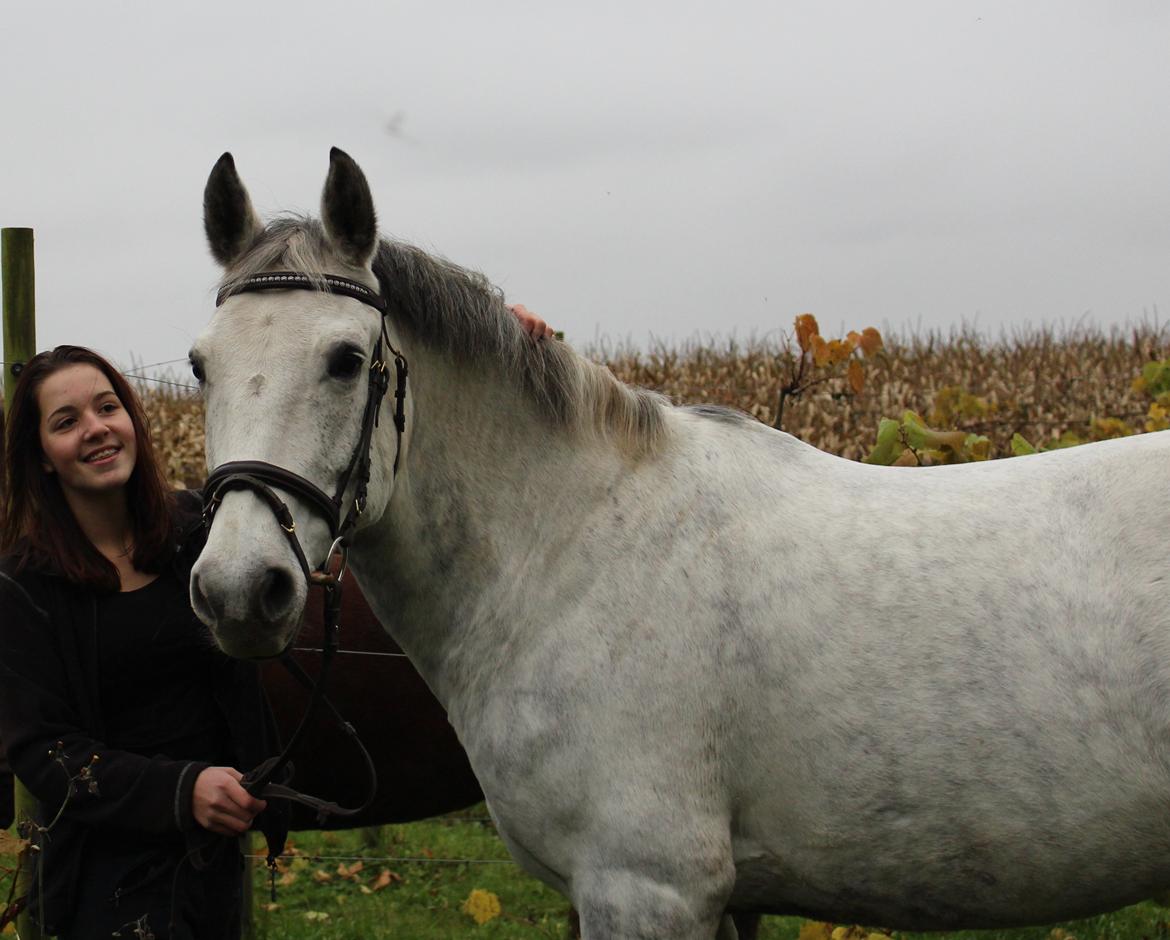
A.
pixel 20 343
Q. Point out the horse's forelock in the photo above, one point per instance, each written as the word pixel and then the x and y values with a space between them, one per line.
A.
pixel 289 243
pixel 459 312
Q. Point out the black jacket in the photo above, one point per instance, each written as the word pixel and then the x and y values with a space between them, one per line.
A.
pixel 52 727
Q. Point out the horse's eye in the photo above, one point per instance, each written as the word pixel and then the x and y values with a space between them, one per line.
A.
pixel 197 370
pixel 345 363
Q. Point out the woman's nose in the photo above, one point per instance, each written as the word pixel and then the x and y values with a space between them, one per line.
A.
pixel 93 425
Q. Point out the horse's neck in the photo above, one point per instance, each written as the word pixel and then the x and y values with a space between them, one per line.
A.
pixel 489 492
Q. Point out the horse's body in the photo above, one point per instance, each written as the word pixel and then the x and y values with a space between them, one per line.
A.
pixel 698 665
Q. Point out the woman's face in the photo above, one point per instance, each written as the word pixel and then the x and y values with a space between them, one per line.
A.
pixel 87 437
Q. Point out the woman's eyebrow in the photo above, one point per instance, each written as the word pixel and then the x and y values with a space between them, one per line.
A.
pixel 61 410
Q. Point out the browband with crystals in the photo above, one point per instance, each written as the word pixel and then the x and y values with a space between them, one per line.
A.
pixel 291 280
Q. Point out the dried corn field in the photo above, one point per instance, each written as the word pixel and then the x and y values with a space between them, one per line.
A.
pixel 1041 385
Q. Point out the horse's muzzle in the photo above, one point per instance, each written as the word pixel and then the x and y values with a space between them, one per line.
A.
pixel 257 618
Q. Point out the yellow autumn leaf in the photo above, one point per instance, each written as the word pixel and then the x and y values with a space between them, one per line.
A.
pixel 806 329
pixel 385 878
pixel 856 376
pixel 815 930
pixel 839 350
pixel 317 916
pixel 871 341
pixel 481 906
pixel 270 906
pixel 322 877
pixel 820 350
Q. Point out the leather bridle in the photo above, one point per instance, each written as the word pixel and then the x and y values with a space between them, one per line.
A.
pixel 260 477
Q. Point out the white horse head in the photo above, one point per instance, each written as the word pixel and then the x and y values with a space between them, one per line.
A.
pixel 286 382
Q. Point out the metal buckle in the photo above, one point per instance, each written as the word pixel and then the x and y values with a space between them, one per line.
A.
pixel 341 549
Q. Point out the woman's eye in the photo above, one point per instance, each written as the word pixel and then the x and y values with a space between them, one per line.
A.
pixel 197 371
pixel 345 363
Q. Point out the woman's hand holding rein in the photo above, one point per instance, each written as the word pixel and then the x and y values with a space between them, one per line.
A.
pixel 221 805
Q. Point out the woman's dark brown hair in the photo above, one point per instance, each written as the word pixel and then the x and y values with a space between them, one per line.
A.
pixel 36 523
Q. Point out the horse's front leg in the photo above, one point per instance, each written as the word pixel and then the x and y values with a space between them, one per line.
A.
pixel 672 897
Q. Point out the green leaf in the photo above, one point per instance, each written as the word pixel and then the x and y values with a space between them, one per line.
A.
pixel 1021 446
pixel 889 443
pixel 915 430
pixel 977 447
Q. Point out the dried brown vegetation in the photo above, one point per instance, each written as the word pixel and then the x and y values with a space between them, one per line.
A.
pixel 1041 385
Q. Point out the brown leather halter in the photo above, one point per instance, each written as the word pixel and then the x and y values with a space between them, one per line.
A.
pixel 260 477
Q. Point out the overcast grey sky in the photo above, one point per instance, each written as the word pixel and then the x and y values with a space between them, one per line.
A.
pixel 631 170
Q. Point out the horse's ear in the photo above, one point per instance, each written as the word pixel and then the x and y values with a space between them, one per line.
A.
pixel 347 211
pixel 229 220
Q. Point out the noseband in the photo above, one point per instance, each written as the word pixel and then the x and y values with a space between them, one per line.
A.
pixel 260 477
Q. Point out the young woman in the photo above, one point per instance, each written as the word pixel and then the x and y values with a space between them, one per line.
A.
pixel 116 710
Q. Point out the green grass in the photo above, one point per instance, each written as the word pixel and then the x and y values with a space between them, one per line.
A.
pixel 426 904
pixel 424 896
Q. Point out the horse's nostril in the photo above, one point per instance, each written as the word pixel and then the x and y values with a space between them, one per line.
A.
pixel 204 609
pixel 277 593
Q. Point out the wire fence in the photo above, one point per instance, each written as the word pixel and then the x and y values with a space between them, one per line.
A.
pixel 404 859
pixel 137 373
pixel 313 857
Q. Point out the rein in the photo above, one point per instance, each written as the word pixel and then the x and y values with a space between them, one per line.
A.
pixel 260 477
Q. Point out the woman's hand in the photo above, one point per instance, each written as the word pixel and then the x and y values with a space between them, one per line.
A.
pixel 221 805
pixel 530 323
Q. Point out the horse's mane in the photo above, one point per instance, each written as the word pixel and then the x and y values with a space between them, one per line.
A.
pixel 460 313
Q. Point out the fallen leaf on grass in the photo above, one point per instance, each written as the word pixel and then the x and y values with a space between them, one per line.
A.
pixel 481 906
pixel 322 877
pixel 350 872
pixel 11 844
pixel 321 916
pixel 385 878
pixel 271 906
pixel 287 879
